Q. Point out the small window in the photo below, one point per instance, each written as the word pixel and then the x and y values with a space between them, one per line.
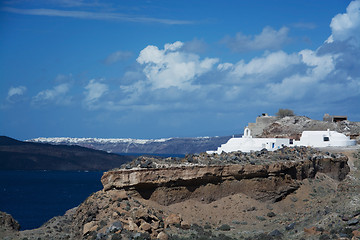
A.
pixel 291 141
pixel 326 139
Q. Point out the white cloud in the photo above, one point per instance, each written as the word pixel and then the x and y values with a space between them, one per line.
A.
pixel 94 15
pixel 225 66
pixel 268 39
pixel 268 65
pixel 346 26
pixel 94 91
pixel 171 67
pixel 177 79
pixel 309 84
pixel 62 78
pixel 117 56
pixel 319 66
pixel 275 78
pixel 174 78
pixel 56 94
pixel 15 92
pixel 75 3
pixel 173 46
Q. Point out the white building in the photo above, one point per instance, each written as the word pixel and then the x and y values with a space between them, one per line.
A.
pixel 308 138
pixel 324 139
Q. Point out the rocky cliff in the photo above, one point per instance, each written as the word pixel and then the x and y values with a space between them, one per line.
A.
pixel 268 177
pixel 291 193
pixel 292 127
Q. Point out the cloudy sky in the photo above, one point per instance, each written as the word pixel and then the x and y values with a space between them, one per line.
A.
pixel 153 69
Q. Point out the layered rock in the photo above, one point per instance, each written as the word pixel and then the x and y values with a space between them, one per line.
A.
pixel 281 193
pixel 270 179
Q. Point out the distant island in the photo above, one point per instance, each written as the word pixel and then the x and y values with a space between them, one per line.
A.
pixel 280 126
pixel 19 155
pixel 142 146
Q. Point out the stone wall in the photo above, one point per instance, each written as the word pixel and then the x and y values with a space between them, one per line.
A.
pixel 261 123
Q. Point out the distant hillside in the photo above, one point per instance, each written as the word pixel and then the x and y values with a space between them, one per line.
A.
pixel 149 146
pixel 18 155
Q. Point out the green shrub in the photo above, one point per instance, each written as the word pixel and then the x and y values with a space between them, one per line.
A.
pixel 224 227
pixel 284 113
pixel 261 218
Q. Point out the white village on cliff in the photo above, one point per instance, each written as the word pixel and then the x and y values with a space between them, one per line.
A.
pixel 316 139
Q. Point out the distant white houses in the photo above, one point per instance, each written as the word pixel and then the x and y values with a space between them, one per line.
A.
pixel 308 138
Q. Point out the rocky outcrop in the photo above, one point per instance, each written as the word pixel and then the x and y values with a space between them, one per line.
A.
pixel 259 195
pixel 292 127
pixel 8 223
pixel 115 214
pixel 271 179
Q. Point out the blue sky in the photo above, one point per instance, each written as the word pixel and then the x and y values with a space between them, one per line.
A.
pixel 153 69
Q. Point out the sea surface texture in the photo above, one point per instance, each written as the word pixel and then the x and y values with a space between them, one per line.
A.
pixel 33 197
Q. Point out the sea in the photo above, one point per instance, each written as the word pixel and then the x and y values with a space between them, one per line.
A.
pixel 34 197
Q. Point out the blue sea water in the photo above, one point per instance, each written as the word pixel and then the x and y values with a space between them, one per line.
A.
pixel 33 197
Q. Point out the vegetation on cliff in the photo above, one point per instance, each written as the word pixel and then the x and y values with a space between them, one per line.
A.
pixel 285 113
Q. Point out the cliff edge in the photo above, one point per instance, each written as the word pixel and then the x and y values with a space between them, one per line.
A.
pixel 290 193
pixel 269 176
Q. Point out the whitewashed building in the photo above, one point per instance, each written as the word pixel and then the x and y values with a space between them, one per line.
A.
pixel 324 139
pixel 308 138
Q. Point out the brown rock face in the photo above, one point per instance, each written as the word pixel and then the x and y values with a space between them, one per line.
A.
pixel 292 127
pixel 172 219
pixel 8 223
pixel 247 193
pixel 267 182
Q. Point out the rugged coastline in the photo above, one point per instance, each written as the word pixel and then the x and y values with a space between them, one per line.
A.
pixel 265 126
pixel 291 193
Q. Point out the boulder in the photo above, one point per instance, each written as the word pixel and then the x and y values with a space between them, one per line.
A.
pixel 275 233
pixel 356 233
pixel 162 236
pixel 290 226
pixel 7 222
pixel 172 219
pixel 145 226
pixel 132 226
pixel 185 225
pixel 115 226
pixel 155 225
pixel 89 227
pixel 353 222
pixel 312 231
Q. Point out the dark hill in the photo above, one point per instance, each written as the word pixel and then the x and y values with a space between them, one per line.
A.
pixel 6 141
pixel 18 155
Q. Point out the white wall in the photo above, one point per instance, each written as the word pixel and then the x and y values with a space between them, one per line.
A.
pixel 308 138
pixel 316 139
